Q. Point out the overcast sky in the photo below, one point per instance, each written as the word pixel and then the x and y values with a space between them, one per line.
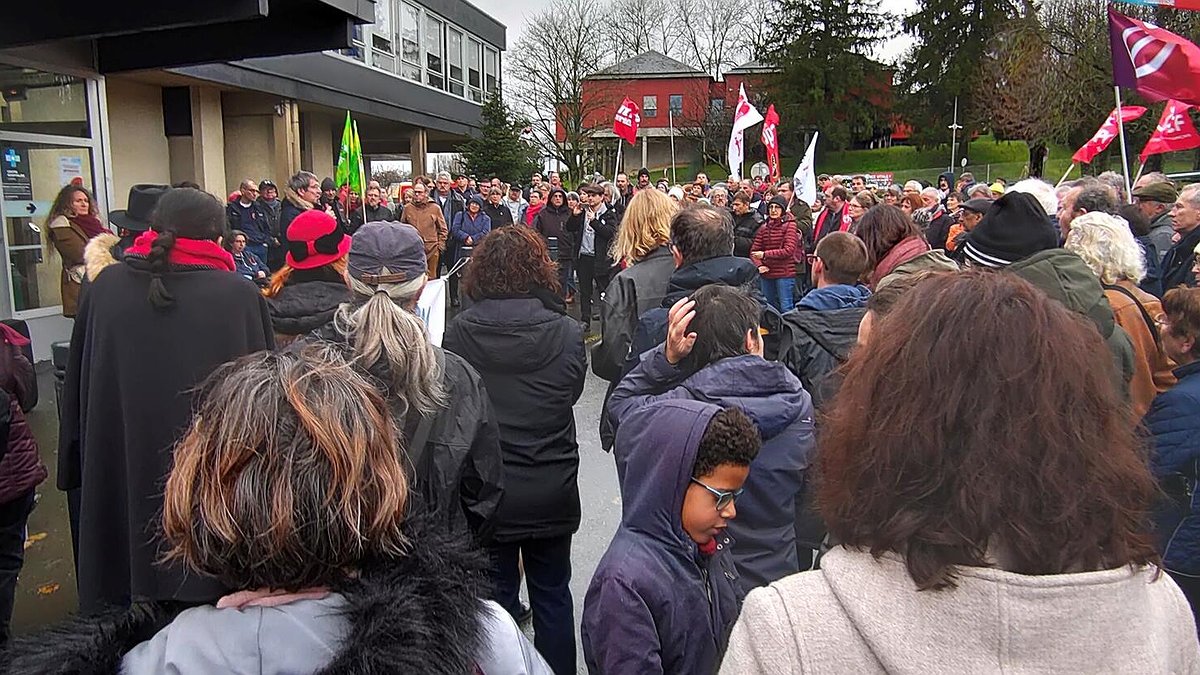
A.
pixel 514 14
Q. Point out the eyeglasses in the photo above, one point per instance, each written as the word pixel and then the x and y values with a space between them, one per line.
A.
pixel 724 497
pixel 1160 320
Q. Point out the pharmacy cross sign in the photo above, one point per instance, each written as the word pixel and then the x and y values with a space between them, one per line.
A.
pixel 12 158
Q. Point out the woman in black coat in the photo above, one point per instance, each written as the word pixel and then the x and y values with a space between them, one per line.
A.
pixel 531 357
pixel 148 331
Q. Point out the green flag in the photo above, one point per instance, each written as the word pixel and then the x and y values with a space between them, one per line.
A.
pixel 362 174
pixel 349 166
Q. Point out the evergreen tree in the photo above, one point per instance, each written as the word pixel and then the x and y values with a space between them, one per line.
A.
pixel 498 149
pixel 952 40
pixel 825 80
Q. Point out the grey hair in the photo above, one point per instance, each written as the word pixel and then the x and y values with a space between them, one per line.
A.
pixel 1040 190
pixel 380 329
pixel 443 175
pixel 912 185
pixel 1191 194
pixel 300 181
pixel 1115 181
pixel 931 192
pixel 717 191
pixel 980 189
pixel 611 191
pixel 1106 244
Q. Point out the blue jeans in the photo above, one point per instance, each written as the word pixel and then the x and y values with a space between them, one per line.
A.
pixel 566 276
pixel 778 292
pixel 548 576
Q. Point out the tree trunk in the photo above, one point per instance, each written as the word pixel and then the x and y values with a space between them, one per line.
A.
pixel 1037 158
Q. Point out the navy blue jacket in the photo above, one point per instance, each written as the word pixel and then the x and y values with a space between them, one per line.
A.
pixel 463 227
pixel 727 269
pixel 656 604
pixel 248 265
pixel 253 220
pixel 837 296
pixel 1174 423
pixel 775 400
pixel 1176 268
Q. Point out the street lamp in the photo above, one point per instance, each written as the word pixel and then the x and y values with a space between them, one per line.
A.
pixel 954 134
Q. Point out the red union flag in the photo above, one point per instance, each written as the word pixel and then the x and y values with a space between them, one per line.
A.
pixel 1157 63
pixel 626 121
pixel 770 139
pixel 1106 133
pixel 1175 131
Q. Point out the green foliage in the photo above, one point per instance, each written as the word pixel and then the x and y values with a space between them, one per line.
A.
pixel 824 76
pixel 498 149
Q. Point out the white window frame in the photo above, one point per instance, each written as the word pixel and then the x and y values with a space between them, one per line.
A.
pixel 650 105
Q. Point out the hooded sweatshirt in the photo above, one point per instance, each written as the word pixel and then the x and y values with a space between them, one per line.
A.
pixel 835 296
pixel 773 398
pixel 872 619
pixel 1064 276
pixel 656 604
pixel 549 222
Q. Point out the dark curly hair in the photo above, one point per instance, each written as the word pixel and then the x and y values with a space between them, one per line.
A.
pixel 510 261
pixel 731 438
pixel 985 436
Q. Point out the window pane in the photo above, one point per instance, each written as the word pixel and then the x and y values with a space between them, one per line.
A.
pixel 410 35
pixel 456 88
pixel 454 48
pixel 649 106
pixel 491 70
pixel 434 53
pixel 410 72
pixel 40 172
pixel 38 102
pixel 382 38
pixel 477 96
pixel 474 48
pixel 676 103
pixel 384 61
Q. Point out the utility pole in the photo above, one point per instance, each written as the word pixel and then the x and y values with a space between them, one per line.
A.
pixel 954 136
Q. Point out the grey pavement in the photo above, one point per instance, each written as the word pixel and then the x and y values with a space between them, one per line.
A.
pixel 46 592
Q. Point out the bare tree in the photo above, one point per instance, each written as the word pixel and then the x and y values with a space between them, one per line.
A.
pixel 633 27
pixel 718 36
pixel 562 45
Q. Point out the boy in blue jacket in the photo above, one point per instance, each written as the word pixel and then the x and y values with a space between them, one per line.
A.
pixel 665 594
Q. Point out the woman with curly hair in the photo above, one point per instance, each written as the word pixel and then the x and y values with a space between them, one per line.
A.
pixel 992 517
pixel 530 354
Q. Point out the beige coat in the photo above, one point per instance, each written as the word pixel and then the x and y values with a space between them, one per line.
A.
pixel 859 615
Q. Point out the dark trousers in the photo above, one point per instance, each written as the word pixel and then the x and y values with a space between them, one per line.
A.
pixel 585 267
pixel 548 577
pixel 1191 590
pixel 566 276
pixel 13 516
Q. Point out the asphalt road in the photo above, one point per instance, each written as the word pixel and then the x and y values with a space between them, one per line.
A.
pixel 46 592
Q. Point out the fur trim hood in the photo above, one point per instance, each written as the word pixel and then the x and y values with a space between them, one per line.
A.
pixel 419 613
pixel 290 195
pixel 98 254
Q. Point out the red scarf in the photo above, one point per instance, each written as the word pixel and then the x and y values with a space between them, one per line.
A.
pixel 901 253
pixel 90 224
pixel 194 252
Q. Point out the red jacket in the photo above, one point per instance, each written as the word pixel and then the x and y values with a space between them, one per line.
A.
pixel 777 240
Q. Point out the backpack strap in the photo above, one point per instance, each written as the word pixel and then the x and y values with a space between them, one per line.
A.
pixel 1141 308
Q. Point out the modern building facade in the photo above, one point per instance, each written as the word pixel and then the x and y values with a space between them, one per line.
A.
pixel 151 92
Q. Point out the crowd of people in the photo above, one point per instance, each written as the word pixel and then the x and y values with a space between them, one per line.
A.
pixel 844 433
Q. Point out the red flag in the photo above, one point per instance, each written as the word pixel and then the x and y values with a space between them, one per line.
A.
pixel 1106 133
pixel 770 139
pixel 626 121
pixel 1157 63
pixel 1175 131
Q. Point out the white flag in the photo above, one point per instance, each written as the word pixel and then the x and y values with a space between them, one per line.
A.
pixel 744 117
pixel 804 182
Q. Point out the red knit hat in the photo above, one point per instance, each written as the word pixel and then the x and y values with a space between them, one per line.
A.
pixel 315 240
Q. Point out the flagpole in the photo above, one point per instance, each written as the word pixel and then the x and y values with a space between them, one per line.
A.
pixel 671 121
pixel 1068 173
pixel 1138 175
pixel 1121 130
pixel 617 166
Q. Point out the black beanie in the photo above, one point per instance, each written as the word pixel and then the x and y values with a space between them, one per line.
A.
pixel 780 201
pixel 328 184
pixel 1014 228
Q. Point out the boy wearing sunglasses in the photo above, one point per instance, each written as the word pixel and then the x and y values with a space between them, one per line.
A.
pixel 665 594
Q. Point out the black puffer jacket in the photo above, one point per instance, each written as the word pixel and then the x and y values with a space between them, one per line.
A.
pixel 418 613
pixel 533 363
pixel 744 228
pixel 814 343
pixel 304 306
pixel 460 473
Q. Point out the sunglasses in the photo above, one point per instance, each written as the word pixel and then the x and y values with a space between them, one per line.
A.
pixel 724 497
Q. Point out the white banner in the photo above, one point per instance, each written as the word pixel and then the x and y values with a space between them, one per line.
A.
pixel 431 307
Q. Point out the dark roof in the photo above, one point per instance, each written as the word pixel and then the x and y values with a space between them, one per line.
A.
pixel 752 67
pixel 644 65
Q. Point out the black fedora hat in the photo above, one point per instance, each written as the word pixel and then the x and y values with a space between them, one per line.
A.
pixel 142 200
